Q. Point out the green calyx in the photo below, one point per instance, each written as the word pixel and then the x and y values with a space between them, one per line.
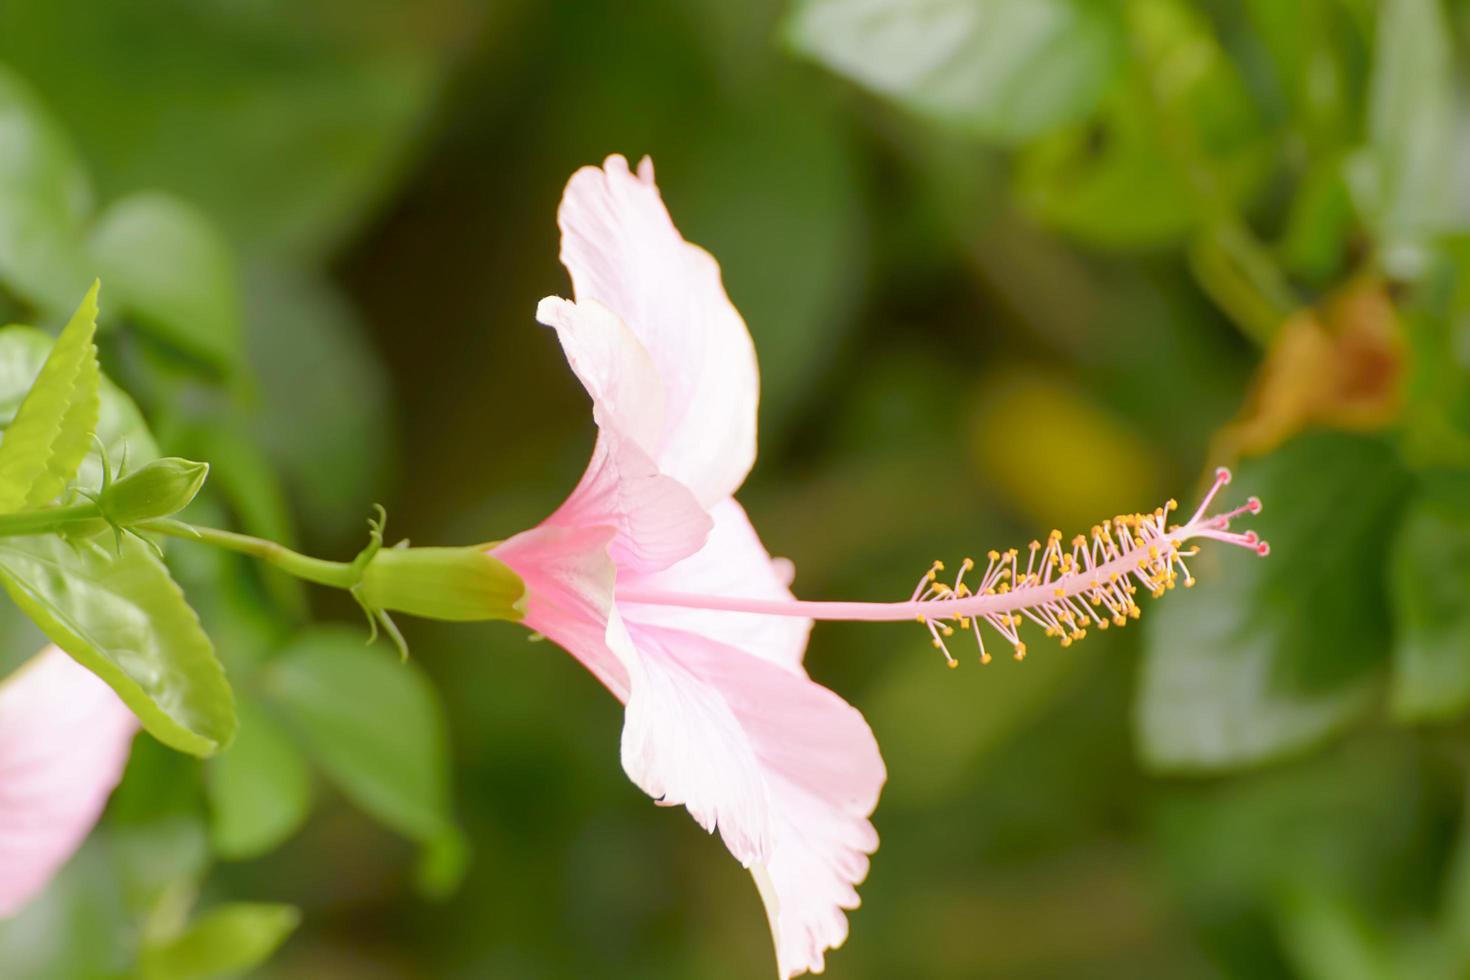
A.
pixel 158 489
pixel 463 584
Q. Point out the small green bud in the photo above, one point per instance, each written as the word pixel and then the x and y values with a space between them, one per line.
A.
pixel 456 584
pixel 157 489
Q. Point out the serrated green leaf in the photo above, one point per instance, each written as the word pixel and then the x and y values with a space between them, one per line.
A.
pixel 120 425
pixel 1267 655
pixel 1003 69
pixel 121 616
pixel 227 941
pixel 52 430
pixel 173 275
pixel 44 200
pixel 1429 583
pixel 374 724
pixel 259 789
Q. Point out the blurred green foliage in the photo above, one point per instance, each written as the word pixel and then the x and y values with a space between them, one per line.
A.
pixel 1008 264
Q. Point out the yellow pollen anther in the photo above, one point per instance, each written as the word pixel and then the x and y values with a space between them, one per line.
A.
pixel 1092 580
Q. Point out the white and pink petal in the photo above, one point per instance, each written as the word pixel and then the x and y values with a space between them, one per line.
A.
pixel 655 519
pixel 733 562
pixel 64 742
pixel 623 252
pixel 787 771
pixel 612 365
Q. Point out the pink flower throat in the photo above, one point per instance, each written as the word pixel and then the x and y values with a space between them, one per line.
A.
pixel 1064 590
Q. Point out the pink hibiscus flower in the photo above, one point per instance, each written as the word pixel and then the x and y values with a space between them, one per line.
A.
pixel 721 717
pixel 64 741
pixel 651 575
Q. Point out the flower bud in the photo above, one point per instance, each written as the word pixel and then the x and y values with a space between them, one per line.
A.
pixel 458 584
pixel 157 489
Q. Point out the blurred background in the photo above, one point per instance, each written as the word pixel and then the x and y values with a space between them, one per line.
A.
pixel 1009 265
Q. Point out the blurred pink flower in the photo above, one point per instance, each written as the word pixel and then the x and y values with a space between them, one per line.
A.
pixel 721 717
pixel 64 741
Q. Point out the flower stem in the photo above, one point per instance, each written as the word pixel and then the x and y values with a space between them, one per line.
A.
pixel 336 574
pixel 48 520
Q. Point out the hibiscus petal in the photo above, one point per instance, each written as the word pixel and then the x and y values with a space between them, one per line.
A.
pixel 64 741
pixel 569 593
pixel 623 251
pixel 787 770
pixel 655 518
pixel 733 562
pixel 683 745
pixel 612 365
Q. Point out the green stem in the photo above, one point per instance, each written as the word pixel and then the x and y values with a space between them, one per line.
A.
pixel 337 574
pixel 49 520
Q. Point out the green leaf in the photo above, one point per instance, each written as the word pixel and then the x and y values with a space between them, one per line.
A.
pixel 227 941
pixel 1267 655
pixel 259 789
pixel 121 616
pixel 1429 580
pixel 443 864
pixel 374 724
pixel 52 430
pixel 155 830
pixel 1407 179
pixel 173 275
pixel 1181 131
pixel 1319 60
pixel 284 122
pixel 44 200
pixel 1328 939
pixel 1006 70
pixel 1346 822
pixel 120 425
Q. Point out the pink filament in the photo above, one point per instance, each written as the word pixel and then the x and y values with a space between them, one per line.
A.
pixel 1074 584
